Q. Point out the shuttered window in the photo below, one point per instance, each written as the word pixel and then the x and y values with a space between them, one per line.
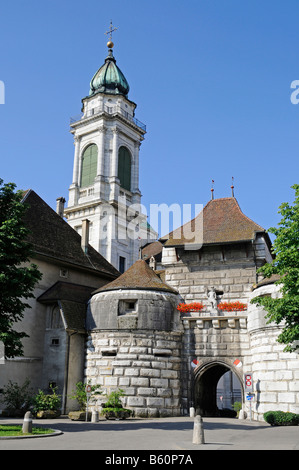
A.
pixel 89 165
pixel 124 168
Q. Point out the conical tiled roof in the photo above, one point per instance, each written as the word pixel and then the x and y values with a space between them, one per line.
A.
pixel 138 276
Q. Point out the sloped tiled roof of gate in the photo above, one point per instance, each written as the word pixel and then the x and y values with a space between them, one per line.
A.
pixel 220 221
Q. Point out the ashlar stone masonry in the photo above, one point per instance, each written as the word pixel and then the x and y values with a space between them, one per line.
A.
pixel 135 342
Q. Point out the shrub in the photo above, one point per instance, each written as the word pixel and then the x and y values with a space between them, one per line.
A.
pixel 114 400
pixel 237 406
pixel 80 395
pixel 17 397
pixel 114 403
pixel 281 418
pixel 43 401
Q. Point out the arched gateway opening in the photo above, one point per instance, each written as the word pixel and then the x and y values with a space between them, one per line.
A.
pixel 207 378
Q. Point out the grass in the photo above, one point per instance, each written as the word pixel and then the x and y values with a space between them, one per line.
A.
pixel 16 430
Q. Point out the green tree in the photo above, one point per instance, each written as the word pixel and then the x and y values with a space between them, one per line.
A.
pixel 285 310
pixel 17 275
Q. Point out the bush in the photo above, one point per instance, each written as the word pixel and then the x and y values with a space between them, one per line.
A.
pixel 80 394
pixel 281 418
pixel 237 406
pixel 114 406
pixel 17 398
pixel 114 399
pixel 45 402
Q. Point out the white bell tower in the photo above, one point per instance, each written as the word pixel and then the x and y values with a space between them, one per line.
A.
pixel 105 186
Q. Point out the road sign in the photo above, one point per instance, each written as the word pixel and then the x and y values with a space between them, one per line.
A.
pixel 88 389
pixel 248 383
pixel 249 396
pixel 238 363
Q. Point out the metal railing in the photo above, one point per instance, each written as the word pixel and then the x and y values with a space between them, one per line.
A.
pixel 109 110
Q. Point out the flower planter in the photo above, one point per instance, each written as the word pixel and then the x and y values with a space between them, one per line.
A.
pixel 48 414
pixel 79 415
pixel 122 413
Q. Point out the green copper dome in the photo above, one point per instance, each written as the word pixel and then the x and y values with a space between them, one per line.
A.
pixel 109 79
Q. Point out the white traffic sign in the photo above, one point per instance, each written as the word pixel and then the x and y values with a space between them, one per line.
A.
pixel 248 383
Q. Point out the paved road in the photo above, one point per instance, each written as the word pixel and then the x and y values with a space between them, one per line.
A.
pixel 173 434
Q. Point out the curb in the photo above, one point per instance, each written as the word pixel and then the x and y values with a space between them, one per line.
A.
pixel 28 436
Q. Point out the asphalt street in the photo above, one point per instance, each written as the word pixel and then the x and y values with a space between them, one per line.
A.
pixel 164 434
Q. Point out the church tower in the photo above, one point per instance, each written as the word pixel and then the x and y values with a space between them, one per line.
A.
pixel 104 197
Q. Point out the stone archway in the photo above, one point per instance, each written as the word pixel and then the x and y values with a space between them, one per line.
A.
pixel 205 387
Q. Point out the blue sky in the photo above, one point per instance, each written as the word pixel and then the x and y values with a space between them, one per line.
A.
pixel 211 79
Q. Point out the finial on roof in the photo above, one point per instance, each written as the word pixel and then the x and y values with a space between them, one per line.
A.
pixel 232 187
pixel 212 190
pixel 111 30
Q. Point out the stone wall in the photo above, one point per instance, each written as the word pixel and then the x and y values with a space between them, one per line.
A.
pixel 275 372
pixel 147 366
pixel 232 271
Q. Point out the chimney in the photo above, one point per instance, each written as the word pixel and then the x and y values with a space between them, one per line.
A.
pixel 85 235
pixel 60 206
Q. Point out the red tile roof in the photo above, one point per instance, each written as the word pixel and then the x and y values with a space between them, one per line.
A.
pixel 221 221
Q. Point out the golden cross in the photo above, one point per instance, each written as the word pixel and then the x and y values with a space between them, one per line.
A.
pixel 110 31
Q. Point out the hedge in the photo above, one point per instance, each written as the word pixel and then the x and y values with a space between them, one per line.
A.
pixel 281 418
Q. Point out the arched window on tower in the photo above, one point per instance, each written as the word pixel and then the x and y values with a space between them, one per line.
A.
pixel 89 165
pixel 124 168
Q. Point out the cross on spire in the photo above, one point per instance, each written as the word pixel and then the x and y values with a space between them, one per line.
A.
pixel 110 31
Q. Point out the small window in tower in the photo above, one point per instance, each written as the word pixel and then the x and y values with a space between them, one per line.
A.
pixel 55 342
pixel 122 264
pixel 127 307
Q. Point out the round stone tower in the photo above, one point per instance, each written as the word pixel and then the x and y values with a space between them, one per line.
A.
pixel 134 341
pixel 275 372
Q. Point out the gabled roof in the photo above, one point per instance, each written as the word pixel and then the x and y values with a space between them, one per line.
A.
pixel 52 237
pixel 138 276
pixel 221 221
